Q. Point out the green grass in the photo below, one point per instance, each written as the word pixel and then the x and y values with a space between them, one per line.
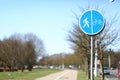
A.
pixel 82 76
pixel 97 78
pixel 26 75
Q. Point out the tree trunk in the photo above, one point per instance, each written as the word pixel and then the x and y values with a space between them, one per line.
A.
pixel 29 67
pixel 88 69
pixel 22 68
pixel 101 64
pixel 102 70
pixel 10 68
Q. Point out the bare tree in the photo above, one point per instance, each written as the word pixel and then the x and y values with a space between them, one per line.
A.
pixel 35 48
pixel 37 43
pixel 81 42
pixel 19 51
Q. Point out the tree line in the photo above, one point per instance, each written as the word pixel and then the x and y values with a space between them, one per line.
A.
pixel 20 51
pixel 59 59
pixel 77 60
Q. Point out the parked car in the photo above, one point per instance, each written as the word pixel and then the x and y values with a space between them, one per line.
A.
pixel 106 70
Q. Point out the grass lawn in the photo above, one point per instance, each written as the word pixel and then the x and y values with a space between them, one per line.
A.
pixel 26 75
pixel 82 76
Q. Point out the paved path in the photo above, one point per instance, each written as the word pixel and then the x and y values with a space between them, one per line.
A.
pixel 63 75
pixel 112 76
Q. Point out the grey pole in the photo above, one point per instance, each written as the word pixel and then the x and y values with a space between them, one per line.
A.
pixel 96 54
pixel 91 75
pixel 63 61
pixel 109 61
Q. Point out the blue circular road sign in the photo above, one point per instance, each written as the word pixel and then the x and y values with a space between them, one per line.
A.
pixel 92 22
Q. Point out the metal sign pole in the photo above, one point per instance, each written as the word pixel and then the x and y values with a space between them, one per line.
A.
pixel 92 23
pixel 91 78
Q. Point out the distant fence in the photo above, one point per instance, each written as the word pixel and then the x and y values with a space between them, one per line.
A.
pixel 2 69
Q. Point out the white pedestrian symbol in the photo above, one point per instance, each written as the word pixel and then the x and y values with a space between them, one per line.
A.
pixel 86 23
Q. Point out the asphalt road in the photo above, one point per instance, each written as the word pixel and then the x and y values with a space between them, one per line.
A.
pixel 112 76
pixel 63 75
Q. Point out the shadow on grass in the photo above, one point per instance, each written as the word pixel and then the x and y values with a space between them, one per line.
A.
pixel 82 76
